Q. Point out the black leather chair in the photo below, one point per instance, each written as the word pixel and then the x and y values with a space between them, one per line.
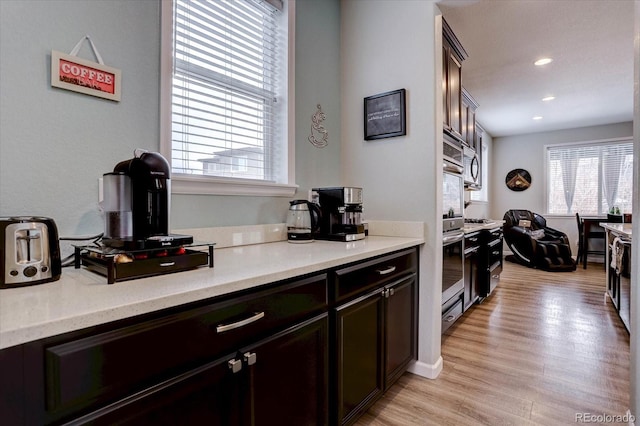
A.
pixel 536 245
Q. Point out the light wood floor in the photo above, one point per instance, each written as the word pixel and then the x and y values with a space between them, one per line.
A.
pixel 541 349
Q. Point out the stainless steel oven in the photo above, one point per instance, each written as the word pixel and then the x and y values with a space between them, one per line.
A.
pixel 452 264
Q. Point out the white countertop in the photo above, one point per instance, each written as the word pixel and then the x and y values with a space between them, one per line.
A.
pixel 82 298
pixel 473 227
pixel 622 229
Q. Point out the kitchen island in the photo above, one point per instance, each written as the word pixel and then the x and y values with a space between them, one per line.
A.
pixel 618 268
pixel 278 326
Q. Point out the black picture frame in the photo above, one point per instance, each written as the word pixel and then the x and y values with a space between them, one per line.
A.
pixel 384 115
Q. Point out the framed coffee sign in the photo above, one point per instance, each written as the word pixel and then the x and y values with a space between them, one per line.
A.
pixel 80 75
pixel 384 115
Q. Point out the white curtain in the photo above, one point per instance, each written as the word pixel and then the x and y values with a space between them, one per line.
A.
pixel 569 165
pixel 612 160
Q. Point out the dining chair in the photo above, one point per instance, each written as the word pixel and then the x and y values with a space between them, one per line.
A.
pixel 580 239
pixel 585 235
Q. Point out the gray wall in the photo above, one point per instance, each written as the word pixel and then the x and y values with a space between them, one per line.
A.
pixel 55 144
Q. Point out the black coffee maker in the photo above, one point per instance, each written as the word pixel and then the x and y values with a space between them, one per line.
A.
pixel 341 213
pixel 137 203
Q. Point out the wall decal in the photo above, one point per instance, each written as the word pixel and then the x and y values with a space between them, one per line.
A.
pixel 318 129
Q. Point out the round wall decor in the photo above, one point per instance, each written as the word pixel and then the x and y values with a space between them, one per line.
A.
pixel 518 180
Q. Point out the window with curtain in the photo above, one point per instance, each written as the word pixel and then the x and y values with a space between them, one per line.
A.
pixel 589 178
pixel 229 90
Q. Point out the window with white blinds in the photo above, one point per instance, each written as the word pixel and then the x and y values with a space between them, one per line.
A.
pixel 228 90
pixel 590 179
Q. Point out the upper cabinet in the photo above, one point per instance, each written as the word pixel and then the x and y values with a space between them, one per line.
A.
pixel 468 114
pixel 453 54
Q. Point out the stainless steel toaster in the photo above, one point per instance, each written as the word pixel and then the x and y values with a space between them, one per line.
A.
pixel 29 251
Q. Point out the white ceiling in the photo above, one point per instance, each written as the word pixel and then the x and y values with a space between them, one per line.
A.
pixel 591 76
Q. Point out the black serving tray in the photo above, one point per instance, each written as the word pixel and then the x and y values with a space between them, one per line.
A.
pixel 146 263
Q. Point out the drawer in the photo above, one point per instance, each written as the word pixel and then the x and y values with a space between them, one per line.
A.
pixel 357 279
pixel 472 241
pixel 94 370
pixel 452 313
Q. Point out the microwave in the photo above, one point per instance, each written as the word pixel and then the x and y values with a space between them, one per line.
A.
pixel 452 153
pixel 471 169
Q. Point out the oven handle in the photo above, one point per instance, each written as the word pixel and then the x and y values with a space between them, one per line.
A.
pixel 451 239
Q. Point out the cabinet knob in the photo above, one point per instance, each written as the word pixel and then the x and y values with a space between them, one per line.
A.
pixel 235 365
pixel 250 358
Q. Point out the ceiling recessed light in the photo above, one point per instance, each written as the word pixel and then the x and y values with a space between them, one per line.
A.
pixel 548 98
pixel 543 61
pixel 537 117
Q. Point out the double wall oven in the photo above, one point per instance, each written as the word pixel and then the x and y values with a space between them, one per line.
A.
pixel 453 233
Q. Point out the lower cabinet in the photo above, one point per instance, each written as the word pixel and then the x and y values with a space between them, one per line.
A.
pixel 283 377
pixel 375 341
pixel 471 259
pixel 313 350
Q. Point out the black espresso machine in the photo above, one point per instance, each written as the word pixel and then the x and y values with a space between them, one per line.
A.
pixel 137 203
pixel 341 213
pixel 136 241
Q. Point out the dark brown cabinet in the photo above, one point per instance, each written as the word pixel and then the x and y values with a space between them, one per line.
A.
pixel 286 373
pixel 472 244
pixel 375 332
pixel 258 357
pixel 453 54
pixel 468 132
pixel 220 362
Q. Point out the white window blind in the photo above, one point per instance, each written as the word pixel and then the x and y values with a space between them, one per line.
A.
pixel 226 89
pixel 590 179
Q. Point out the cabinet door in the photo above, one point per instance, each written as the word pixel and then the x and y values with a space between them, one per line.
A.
pixel 445 88
pixel 455 90
pixel 211 394
pixel 400 330
pixel 289 376
pixel 359 327
pixel 470 278
pixel 282 379
pixel 464 124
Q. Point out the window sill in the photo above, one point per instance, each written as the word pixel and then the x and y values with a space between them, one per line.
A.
pixel 217 186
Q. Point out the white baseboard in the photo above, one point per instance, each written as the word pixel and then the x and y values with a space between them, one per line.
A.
pixel 430 371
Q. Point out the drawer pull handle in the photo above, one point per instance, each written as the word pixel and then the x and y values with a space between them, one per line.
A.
pixel 226 327
pixel 165 264
pixel 389 270
pixel 450 318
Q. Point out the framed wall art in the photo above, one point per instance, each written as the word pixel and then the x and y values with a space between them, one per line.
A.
pixel 384 115
pixel 518 180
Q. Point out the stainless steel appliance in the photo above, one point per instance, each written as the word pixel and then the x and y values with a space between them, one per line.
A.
pixel 471 168
pixel 138 202
pixel 452 185
pixel 29 251
pixel 452 264
pixel 303 220
pixel 453 234
pixel 340 213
